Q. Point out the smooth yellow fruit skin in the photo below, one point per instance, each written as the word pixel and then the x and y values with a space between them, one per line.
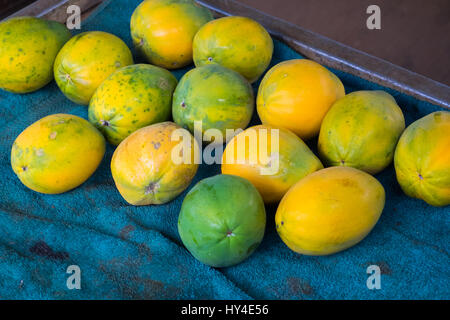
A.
pixel 57 153
pixel 237 43
pixel 329 210
pixel 86 61
pixel 296 95
pixel 163 30
pixel 296 160
pixel 130 98
pixel 143 169
pixel 361 130
pixel 28 48
pixel 422 159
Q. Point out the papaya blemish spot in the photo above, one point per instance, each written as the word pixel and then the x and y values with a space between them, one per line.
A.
pixel 152 188
pixel 24 168
pixel 105 123
pixel 156 145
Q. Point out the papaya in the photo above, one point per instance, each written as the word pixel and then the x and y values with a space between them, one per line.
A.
pixel 361 130
pixel 57 153
pixel 218 97
pixel 163 30
pixel 272 159
pixel 329 210
pixel 28 50
pixel 222 220
pixel 422 159
pixel 238 43
pixel 144 165
pixel 296 95
pixel 132 97
pixel 86 60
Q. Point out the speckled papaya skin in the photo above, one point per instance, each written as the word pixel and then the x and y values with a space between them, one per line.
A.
pixel 222 220
pixel 57 153
pixel 28 48
pixel 295 161
pixel 219 97
pixel 132 97
pixel 163 30
pixel 86 61
pixel 143 168
pixel 238 43
pixel 361 131
pixel 422 159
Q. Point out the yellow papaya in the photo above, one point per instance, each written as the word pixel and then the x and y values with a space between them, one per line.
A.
pixel 237 43
pixel 361 130
pixel 132 97
pixel 28 50
pixel 163 30
pixel 57 153
pixel 422 159
pixel 329 210
pixel 216 96
pixel 143 165
pixel 296 95
pixel 86 61
pixel 272 159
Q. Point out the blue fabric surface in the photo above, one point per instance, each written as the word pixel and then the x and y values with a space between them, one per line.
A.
pixel 127 252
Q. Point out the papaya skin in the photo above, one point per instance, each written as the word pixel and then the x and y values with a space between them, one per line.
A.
pixel 237 43
pixel 222 220
pixel 132 97
pixel 57 153
pixel 28 50
pixel 296 95
pixel 329 210
pixel 163 30
pixel 422 159
pixel 361 130
pixel 296 161
pixel 219 97
pixel 142 166
pixel 86 61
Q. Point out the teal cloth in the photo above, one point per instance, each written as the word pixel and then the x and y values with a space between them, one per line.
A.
pixel 127 252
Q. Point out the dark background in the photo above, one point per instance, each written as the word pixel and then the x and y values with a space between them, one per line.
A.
pixel 8 7
pixel 415 34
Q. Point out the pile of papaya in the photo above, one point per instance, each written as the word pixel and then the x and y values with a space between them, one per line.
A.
pixel 327 200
